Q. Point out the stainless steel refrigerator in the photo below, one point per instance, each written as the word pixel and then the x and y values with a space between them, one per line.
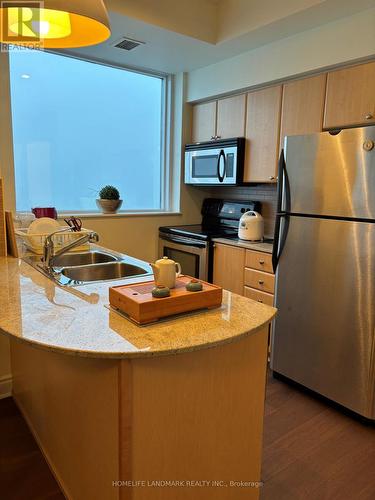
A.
pixel 323 336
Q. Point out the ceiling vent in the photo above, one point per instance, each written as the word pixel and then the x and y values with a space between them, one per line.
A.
pixel 127 44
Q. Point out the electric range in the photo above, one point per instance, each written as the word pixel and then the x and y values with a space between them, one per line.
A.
pixel 192 246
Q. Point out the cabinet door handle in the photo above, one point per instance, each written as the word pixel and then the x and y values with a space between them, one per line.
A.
pixel 369 116
pixel 261 301
pixel 261 262
pixel 272 178
pixel 261 282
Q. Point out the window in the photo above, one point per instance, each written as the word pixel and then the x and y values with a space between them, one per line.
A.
pixel 78 126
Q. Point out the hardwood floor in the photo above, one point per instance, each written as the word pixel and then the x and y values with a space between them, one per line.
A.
pixel 311 452
pixel 24 474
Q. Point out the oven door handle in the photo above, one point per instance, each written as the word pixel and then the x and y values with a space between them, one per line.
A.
pixel 184 241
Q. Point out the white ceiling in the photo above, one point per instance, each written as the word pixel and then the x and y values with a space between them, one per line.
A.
pixel 168 51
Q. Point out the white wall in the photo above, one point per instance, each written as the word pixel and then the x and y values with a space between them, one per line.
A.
pixel 237 17
pixel 349 39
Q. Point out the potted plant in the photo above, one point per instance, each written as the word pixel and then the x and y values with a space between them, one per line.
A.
pixel 109 200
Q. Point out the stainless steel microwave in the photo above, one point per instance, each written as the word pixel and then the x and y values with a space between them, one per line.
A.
pixel 215 162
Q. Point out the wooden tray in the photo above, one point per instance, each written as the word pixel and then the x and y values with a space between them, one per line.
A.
pixel 138 303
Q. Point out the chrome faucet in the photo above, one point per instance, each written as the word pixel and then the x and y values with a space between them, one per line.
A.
pixel 49 248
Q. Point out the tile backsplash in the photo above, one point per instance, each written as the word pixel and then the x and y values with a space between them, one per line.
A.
pixel 265 193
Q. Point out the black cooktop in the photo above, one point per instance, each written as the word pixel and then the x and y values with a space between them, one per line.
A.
pixel 220 219
pixel 198 231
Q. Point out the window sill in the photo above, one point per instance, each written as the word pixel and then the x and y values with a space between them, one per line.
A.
pixel 99 215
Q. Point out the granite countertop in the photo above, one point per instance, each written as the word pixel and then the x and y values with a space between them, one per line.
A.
pixel 250 245
pixel 77 321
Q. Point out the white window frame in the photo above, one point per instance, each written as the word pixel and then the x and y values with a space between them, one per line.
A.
pixel 168 200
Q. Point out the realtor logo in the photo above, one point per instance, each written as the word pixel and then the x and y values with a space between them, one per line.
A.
pixel 21 23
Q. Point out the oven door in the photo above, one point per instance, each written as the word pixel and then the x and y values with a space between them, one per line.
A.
pixel 191 254
pixel 211 166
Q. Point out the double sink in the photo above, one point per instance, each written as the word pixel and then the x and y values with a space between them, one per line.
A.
pixel 73 269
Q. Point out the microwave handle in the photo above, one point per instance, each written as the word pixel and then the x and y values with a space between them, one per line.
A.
pixel 219 176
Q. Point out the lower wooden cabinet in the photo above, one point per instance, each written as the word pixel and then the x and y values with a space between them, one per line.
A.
pixel 265 282
pixel 246 272
pixel 229 263
pixel 259 260
pixel 263 297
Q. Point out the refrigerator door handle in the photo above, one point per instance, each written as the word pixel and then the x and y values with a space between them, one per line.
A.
pixel 281 170
pixel 283 187
pixel 283 191
pixel 279 241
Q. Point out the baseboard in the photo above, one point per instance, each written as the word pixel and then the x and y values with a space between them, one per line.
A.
pixel 5 386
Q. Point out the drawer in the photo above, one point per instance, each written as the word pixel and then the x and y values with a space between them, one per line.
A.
pixel 260 280
pixel 263 297
pixel 259 260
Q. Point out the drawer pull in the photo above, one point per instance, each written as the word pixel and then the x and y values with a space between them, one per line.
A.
pixel 261 262
pixel 369 116
pixel 261 301
pixel 261 282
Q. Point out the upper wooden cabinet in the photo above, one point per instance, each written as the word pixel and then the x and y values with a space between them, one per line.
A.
pixel 303 106
pixel 350 98
pixel 231 117
pixel 222 119
pixel 262 135
pixel 204 121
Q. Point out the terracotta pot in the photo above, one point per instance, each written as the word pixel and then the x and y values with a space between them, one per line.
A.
pixel 109 206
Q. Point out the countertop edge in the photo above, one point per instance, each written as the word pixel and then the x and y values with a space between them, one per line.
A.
pixel 260 246
pixel 137 354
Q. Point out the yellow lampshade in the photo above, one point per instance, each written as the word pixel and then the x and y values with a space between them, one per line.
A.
pixel 59 24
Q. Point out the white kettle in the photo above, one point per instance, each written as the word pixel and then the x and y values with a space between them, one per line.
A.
pixel 251 226
pixel 166 271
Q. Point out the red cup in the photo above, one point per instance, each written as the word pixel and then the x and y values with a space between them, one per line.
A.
pixel 40 212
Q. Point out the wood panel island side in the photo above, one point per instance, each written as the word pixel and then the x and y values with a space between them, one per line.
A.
pixel 172 410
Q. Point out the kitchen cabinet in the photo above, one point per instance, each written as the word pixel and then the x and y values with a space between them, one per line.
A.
pixel 204 121
pixel 246 272
pixel 222 119
pixel 257 295
pixel 231 117
pixel 350 97
pixel 229 263
pixel 303 106
pixel 265 282
pixel 259 260
pixel 259 278
pixel 262 135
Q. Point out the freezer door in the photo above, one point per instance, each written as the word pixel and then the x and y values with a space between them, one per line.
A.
pixel 332 174
pixel 323 336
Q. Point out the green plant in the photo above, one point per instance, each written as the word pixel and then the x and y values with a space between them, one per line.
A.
pixel 109 193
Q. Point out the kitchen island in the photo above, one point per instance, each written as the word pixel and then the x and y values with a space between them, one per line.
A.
pixel 173 410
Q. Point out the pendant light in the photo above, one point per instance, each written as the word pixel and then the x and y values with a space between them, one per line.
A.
pixel 54 24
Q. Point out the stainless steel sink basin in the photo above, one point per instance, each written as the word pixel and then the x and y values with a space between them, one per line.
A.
pixel 75 269
pixel 103 272
pixel 82 259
